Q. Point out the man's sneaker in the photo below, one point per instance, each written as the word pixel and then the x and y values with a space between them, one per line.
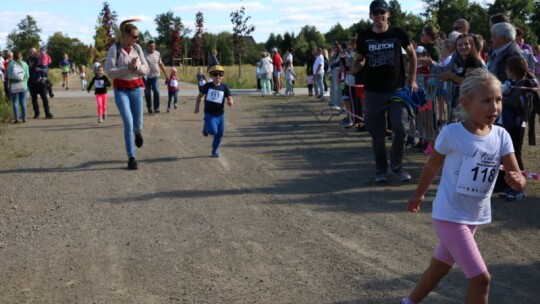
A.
pixel 515 196
pixel 380 177
pixel 138 140
pixel 402 175
pixel 132 164
pixel 150 111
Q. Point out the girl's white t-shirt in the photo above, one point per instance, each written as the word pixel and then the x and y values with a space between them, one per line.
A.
pixel 469 173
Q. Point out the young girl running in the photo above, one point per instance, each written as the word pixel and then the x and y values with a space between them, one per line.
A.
pixel 64 65
pixel 470 153
pixel 102 82
pixel 172 87
pixel 82 74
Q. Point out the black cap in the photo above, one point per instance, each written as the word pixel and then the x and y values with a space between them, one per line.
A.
pixel 378 5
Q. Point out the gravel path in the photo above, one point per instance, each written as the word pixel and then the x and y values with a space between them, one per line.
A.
pixel 288 214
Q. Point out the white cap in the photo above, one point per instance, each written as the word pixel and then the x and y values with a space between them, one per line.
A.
pixel 420 49
pixel 452 37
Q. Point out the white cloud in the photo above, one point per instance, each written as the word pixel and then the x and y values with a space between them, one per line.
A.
pixel 220 7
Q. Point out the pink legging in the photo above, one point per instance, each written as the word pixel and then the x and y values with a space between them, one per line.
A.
pixel 101 100
pixel 457 245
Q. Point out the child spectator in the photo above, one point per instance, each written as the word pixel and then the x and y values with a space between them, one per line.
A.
pixel 82 74
pixel 172 88
pixel 101 82
pixel 201 78
pixel 515 112
pixel 265 73
pixel 215 94
pixel 43 63
pixel 289 79
pixel 470 153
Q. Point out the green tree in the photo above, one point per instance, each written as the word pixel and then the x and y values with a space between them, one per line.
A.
pixel 198 39
pixel 167 23
pixel 241 29
pixel 25 36
pixel 58 44
pixel 105 28
pixel 337 33
pixel 521 13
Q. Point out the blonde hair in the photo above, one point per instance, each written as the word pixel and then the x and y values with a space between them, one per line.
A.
pixel 472 83
pixel 127 28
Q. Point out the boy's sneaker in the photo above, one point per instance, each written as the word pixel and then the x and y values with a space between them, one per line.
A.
pixel 204 133
pixel 380 177
pixel 175 106
pixel 215 153
pixel 402 175
pixel 168 110
pixel 138 140
pixel 515 196
pixel 132 164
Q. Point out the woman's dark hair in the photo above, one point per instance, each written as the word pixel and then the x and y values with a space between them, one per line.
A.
pixel 518 66
pixel 499 18
pixel 442 35
pixel 474 51
pixel 431 31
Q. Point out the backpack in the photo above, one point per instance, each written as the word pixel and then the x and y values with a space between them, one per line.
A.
pixel 16 73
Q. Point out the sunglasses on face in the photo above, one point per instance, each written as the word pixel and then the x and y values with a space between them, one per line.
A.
pixel 217 74
pixel 378 12
pixel 134 36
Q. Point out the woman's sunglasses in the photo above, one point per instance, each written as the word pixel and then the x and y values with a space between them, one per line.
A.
pixel 216 74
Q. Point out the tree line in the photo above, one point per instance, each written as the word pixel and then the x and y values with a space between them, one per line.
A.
pixel 176 41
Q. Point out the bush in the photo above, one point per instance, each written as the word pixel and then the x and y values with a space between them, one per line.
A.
pixel 248 81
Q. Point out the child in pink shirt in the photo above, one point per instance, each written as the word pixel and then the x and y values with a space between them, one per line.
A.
pixel 43 63
pixel 172 87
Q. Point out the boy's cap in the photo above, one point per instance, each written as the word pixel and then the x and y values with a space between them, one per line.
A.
pixel 216 68
pixel 274 50
pixel 378 5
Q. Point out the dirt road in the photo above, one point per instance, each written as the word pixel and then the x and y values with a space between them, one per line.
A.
pixel 288 214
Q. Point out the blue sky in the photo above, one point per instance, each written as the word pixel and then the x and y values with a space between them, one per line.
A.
pixel 77 18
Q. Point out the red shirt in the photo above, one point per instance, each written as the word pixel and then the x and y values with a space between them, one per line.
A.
pixel 276 61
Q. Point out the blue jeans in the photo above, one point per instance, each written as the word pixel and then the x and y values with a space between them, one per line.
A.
pixel 319 78
pixel 151 85
pixel 214 125
pixel 172 95
pixel 16 99
pixel 130 106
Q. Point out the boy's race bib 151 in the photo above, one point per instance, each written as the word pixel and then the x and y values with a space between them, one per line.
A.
pixel 477 176
pixel 215 96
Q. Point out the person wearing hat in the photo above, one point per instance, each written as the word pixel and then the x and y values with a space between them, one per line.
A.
pixel 215 94
pixel 379 48
pixel 277 62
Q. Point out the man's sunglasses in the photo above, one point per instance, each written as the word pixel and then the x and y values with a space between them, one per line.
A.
pixel 216 74
pixel 378 12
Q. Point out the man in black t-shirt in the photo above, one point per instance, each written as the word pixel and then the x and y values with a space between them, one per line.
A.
pixel 379 49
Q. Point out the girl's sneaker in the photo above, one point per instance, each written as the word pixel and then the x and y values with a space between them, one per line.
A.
pixel 514 196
